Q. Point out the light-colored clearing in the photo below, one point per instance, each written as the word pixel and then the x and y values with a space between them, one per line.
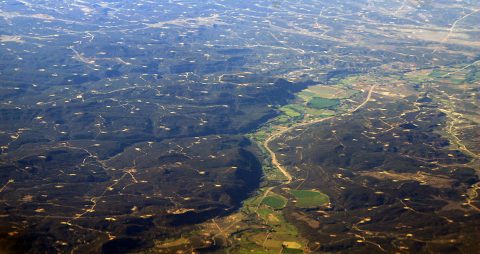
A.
pixel 424 178
pixel 194 22
pixel 11 38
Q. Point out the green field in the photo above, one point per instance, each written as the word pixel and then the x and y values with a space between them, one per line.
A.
pixel 292 251
pixel 438 73
pixel 292 110
pixel 322 103
pixel 309 198
pixel 264 212
pixel 275 201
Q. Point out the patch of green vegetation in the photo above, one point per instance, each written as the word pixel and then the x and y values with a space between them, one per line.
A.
pixel 264 212
pixel 260 135
pixel 293 110
pixel 289 111
pixel 322 103
pixel 292 251
pixel 272 173
pixel 437 73
pixel 457 81
pixel 275 201
pixel 297 107
pixel 283 119
pixel 309 198
pixel 349 80
pixel 284 231
pixel 306 95
pixel 251 248
pixel 416 78
pixel 254 201
pixel 319 112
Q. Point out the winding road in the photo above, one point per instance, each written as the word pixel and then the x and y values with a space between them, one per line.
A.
pixel 276 135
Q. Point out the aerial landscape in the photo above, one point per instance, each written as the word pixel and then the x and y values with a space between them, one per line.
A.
pixel 222 126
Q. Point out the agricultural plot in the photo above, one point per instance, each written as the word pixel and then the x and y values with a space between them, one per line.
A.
pixel 309 198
